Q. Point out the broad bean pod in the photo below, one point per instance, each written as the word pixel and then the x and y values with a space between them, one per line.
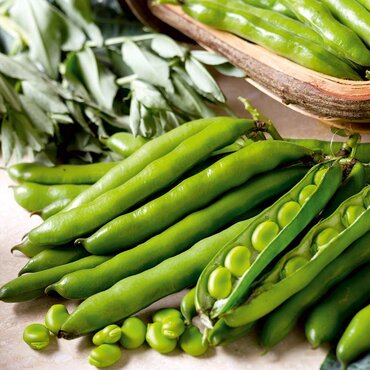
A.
pixel 291 45
pixel 60 174
pixel 49 258
pixel 53 208
pixel 339 37
pixel 178 237
pixel 67 225
pixel 353 15
pixel 123 143
pixel 275 5
pixel 330 316
pixel 129 167
pixel 321 245
pixel 229 275
pixel 123 300
pixel 280 322
pixel 365 3
pixel 29 286
pixel 34 197
pixel 191 194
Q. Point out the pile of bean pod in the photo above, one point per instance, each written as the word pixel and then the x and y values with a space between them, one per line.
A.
pixel 250 222
pixel 327 36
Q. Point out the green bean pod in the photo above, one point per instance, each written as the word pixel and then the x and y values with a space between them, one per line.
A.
pixel 49 258
pixel 353 15
pixel 178 237
pixel 365 3
pixel 191 194
pixel 328 318
pixel 30 249
pixel 275 5
pixel 60 174
pixel 123 300
pixel 280 322
pixel 355 339
pixel 33 196
pixel 289 44
pixel 339 37
pixel 66 226
pixel 354 182
pixel 123 143
pixel 131 166
pixel 321 245
pixel 53 208
pixel 269 234
pixel 332 147
pixel 29 286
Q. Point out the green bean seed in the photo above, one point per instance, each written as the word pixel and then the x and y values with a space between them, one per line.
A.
pixel 264 233
pixel 325 236
pixel 173 327
pixel 36 336
pixel 287 212
pixel 319 175
pixel 165 314
pixel 306 193
pixel 110 334
pixel 293 265
pixel 55 317
pixel 105 355
pixel 133 333
pixel 191 342
pixel 157 340
pixel 352 213
pixel 238 260
pixel 219 283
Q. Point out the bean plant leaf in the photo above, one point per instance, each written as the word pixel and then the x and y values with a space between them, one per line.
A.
pixel 166 47
pixel 135 116
pixel 8 93
pixel 148 95
pixel 14 69
pixel 7 139
pixel 147 66
pixel 207 57
pixel 228 69
pixel 80 13
pixel 203 80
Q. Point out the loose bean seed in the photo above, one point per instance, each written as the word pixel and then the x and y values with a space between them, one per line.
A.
pixel 110 334
pixel 191 342
pixel 238 260
pixel 55 317
pixel 36 336
pixel 306 193
pixel 165 314
pixel 133 333
pixel 264 234
pixel 287 213
pixel 219 283
pixel 105 355
pixel 157 340
pixel 173 327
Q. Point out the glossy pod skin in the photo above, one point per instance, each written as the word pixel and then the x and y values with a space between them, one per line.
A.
pixel 328 318
pixel 365 3
pixel 53 208
pixel 281 321
pixel 178 237
pixel 192 193
pixel 355 339
pixel 123 143
pixel 221 15
pixel 60 174
pixel 29 286
pixel 318 248
pixel 49 258
pixel 339 37
pixel 353 15
pixel 131 166
pixel 68 225
pixel 267 236
pixel 123 300
pixel 34 197
pixel 187 306
pixel 275 5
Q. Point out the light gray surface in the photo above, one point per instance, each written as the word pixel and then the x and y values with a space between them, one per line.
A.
pixel 293 353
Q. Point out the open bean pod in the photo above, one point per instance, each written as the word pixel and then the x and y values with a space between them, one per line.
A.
pixel 228 277
pixel 296 269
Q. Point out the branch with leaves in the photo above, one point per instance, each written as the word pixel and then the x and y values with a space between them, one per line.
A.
pixel 73 70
